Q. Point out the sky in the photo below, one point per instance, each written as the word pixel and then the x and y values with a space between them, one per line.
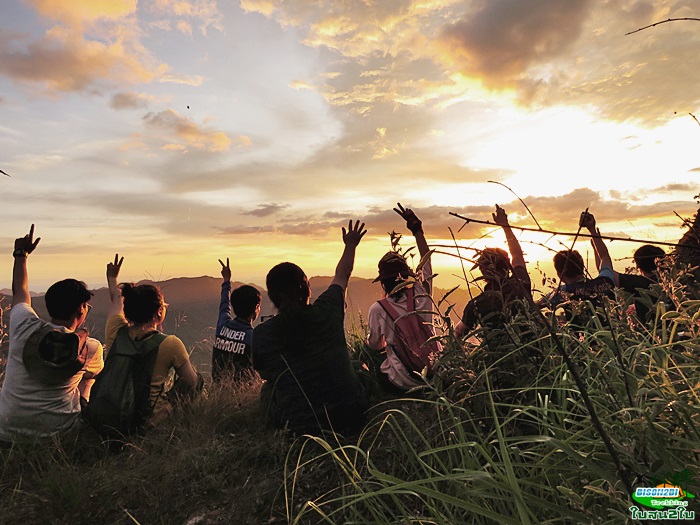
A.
pixel 178 132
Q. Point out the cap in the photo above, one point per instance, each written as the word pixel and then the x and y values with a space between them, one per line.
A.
pixel 392 265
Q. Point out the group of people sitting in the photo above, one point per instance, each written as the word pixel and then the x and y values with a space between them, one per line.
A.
pixel 310 381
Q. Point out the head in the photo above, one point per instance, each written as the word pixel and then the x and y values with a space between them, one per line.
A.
pixel 645 258
pixel 67 301
pixel 143 303
pixel 393 270
pixel 569 265
pixel 494 264
pixel 288 284
pixel 245 301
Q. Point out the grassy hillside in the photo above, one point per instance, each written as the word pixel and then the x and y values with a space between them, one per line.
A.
pixel 550 424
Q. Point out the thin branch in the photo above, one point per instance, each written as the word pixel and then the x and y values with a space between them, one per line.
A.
pixel 568 234
pixel 521 201
pixel 661 22
pixel 694 118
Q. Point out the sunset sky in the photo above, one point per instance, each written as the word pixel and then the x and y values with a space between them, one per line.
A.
pixel 178 132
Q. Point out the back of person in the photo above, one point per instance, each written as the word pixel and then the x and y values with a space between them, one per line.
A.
pixel 499 302
pixel 171 354
pixel 232 351
pixel 303 356
pixel 29 407
pixel 40 395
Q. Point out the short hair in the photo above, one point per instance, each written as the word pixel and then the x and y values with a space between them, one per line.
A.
pixel 65 297
pixel 645 257
pixel 141 302
pixel 244 300
pixel 287 281
pixel 569 263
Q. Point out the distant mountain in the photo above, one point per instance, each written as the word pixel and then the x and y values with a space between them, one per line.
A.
pixel 194 307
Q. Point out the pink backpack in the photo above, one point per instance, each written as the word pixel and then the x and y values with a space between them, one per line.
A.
pixel 411 333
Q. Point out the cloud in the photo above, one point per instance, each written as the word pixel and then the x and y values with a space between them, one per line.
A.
pixel 130 100
pixel 265 210
pixel 79 12
pixel 90 45
pixel 501 39
pixel 187 132
pixel 202 12
pixel 63 60
pixel 189 80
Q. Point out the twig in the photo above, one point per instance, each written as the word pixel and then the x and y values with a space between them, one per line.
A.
pixel 689 113
pixel 521 201
pixel 662 22
pixel 568 234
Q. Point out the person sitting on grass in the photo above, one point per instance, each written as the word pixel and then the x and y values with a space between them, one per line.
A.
pixel 301 353
pixel 139 310
pixel 571 271
pixel 232 353
pixel 507 285
pixel 396 375
pixel 47 363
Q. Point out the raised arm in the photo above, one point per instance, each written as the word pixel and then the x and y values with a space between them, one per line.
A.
pixel 415 225
pixel 587 220
pixel 115 296
pixel 351 238
pixel 225 309
pixel 20 280
pixel 500 217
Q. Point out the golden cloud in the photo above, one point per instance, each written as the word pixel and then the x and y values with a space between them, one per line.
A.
pixel 189 133
pixel 77 12
pixel 63 60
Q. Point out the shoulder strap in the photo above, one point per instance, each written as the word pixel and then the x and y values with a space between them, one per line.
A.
pixel 411 304
pixel 391 312
pixel 128 347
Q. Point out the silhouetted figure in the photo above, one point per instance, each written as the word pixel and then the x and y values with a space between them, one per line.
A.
pixel 393 271
pixel 47 363
pixel 507 285
pixel 572 273
pixel 233 346
pixel 302 355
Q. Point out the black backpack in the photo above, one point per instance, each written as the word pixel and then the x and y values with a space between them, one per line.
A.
pixel 120 398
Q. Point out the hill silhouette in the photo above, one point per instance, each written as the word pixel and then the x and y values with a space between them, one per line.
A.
pixel 194 306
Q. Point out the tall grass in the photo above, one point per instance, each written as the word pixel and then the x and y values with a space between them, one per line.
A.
pixel 502 435
pixel 505 436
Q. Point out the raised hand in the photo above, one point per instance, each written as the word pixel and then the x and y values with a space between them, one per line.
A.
pixel 113 268
pixel 353 235
pixel 27 243
pixel 413 223
pixel 587 220
pixel 500 216
pixel 225 270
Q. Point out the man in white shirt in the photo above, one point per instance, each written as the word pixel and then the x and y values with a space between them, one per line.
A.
pixel 41 392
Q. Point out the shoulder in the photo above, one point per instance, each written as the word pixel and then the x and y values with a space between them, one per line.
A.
pixel 334 294
pixel 115 322
pixel 22 311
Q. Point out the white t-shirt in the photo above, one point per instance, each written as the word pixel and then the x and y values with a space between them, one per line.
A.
pixel 381 333
pixel 28 408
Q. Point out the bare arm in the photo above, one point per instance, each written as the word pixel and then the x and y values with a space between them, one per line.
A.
pixel 351 238
pixel 115 297
pixel 20 279
pixel 516 252
pixel 415 225
pixel 587 220
pixel 187 374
